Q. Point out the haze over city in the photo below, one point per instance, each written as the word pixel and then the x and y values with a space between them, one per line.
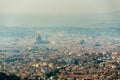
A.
pixel 58 12
pixel 59 40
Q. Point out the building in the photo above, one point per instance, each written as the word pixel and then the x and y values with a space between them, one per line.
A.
pixel 38 40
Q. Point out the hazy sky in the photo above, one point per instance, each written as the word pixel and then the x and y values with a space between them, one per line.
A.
pixel 39 8
pixel 58 6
